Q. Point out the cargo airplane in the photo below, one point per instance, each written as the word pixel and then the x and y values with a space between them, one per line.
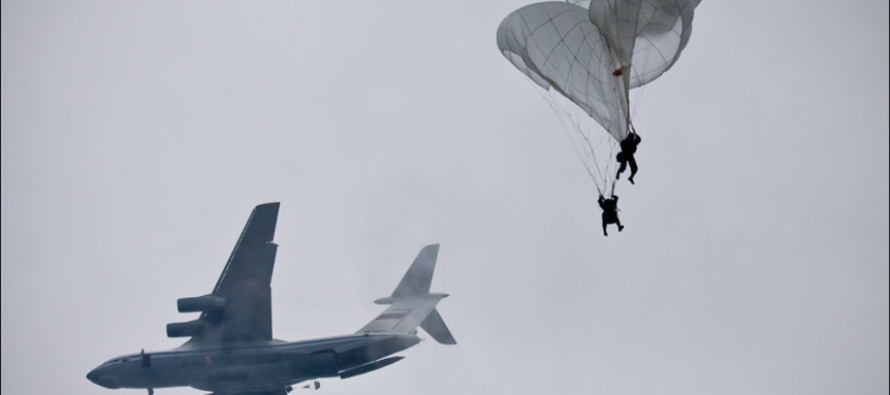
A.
pixel 231 350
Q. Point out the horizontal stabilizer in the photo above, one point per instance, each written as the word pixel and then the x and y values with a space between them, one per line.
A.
pixel 435 326
pixel 412 304
pixel 404 315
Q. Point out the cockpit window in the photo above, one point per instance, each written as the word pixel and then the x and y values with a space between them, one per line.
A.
pixel 116 360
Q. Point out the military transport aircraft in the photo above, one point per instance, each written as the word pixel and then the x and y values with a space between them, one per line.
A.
pixel 232 351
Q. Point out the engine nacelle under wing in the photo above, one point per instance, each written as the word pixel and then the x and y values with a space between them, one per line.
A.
pixel 185 329
pixel 200 303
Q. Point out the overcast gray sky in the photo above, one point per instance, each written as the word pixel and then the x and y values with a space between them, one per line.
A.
pixel 137 137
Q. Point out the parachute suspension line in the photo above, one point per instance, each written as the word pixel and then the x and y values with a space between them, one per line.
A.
pixel 555 106
pixel 575 123
pixel 601 174
pixel 591 149
pixel 584 162
pixel 563 113
pixel 612 154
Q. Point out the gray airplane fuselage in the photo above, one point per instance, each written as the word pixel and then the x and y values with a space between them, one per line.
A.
pixel 231 349
pixel 252 367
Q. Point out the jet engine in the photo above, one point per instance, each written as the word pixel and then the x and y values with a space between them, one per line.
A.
pixel 200 303
pixel 185 329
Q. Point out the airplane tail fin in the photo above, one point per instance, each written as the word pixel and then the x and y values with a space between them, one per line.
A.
pixel 412 304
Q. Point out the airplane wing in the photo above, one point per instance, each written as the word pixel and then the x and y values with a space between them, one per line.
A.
pixel 244 285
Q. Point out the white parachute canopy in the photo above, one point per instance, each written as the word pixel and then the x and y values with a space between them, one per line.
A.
pixel 558 47
pixel 648 35
pixel 595 53
pixel 585 54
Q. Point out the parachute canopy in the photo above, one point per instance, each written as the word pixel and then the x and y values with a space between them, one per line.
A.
pixel 593 56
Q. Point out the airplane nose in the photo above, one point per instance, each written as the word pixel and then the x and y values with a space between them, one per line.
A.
pixel 103 380
pixel 93 376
